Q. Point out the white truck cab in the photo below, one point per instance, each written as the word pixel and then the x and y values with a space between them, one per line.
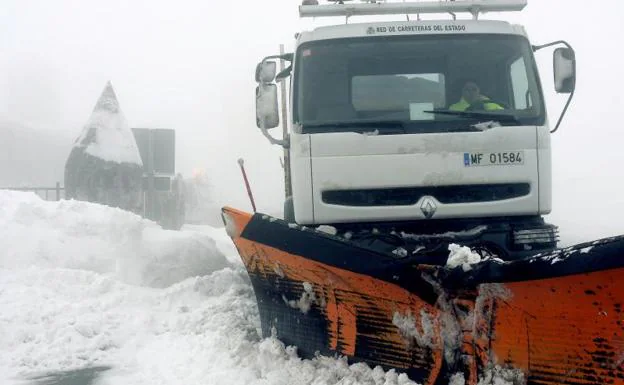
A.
pixel 424 126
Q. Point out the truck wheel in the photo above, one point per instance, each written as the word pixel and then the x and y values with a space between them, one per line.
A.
pixel 289 210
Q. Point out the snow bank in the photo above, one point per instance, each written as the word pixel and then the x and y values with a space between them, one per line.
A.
pixel 62 319
pixel 82 235
pixel 200 331
pixel 84 285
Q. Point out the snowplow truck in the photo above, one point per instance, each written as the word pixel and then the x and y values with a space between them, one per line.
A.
pixel 424 127
pixel 406 139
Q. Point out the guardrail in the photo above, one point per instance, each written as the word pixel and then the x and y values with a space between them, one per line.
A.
pixel 58 191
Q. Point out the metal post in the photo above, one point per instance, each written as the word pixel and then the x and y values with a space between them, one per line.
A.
pixel 241 163
pixel 149 201
pixel 287 186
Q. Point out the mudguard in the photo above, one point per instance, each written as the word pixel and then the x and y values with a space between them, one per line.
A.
pixel 548 319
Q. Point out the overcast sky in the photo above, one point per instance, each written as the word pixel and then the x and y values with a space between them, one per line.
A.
pixel 189 65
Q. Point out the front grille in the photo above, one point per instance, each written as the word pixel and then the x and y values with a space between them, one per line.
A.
pixel 540 235
pixel 406 196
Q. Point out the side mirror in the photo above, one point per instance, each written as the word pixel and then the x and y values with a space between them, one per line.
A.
pixel 265 71
pixel 564 68
pixel 267 113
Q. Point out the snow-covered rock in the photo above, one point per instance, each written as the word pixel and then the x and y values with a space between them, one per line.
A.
pixel 106 135
pixel 105 165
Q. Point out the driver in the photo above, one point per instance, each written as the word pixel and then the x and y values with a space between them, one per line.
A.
pixel 473 100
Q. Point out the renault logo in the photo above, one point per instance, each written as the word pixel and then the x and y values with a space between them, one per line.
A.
pixel 428 207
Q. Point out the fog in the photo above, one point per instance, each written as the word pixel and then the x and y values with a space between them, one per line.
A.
pixel 189 66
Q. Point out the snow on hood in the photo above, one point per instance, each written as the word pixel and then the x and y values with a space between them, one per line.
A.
pixel 107 135
pixel 74 293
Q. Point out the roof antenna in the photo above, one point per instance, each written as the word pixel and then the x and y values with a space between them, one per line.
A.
pixel 453 13
pixel 475 13
pixel 341 2
pixel 407 14
pixel 338 2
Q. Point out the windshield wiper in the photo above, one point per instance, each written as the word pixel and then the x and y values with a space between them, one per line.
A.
pixel 383 126
pixel 478 115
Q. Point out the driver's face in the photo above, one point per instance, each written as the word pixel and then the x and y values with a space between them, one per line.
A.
pixel 471 92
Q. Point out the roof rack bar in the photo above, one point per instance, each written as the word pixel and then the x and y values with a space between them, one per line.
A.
pixel 473 7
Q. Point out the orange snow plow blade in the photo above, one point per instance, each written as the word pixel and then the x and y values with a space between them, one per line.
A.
pixel 566 330
pixel 547 319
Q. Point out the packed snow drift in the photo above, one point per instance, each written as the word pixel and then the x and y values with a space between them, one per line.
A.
pixel 89 286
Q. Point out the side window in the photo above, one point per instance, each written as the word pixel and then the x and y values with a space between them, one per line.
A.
pixel 520 85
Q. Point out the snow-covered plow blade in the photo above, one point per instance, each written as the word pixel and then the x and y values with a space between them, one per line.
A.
pixel 547 319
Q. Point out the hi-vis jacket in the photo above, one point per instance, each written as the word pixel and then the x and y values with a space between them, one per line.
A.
pixel 488 105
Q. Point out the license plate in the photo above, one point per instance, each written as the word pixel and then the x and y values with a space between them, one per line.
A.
pixel 493 158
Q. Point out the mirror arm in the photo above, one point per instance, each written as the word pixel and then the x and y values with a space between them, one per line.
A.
pixel 286 56
pixel 283 73
pixel 563 112
pixel 565 108
pixel 282 142
pixel 538 47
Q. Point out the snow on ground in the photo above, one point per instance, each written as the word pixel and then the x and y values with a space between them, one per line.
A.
pixel 84 285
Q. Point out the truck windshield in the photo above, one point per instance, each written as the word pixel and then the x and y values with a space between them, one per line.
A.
pixel 409 78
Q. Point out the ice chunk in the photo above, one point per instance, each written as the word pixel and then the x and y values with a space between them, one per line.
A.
pixel 308 297
pixel 327 229
pixel 400 252
pixel 483 126
pixel 462 256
